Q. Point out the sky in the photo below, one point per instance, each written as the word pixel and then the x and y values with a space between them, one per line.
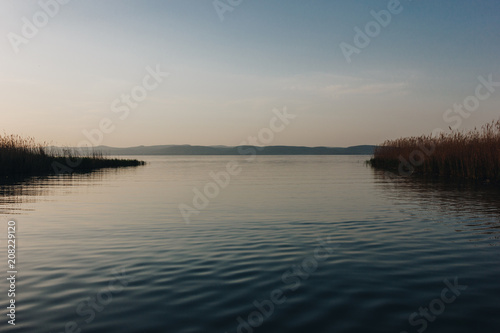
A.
pixel 351 72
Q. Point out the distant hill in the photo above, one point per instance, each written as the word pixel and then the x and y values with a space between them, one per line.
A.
pixel 239 150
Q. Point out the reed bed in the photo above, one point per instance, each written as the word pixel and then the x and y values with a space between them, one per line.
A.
pixel 24 156
pixel 472 155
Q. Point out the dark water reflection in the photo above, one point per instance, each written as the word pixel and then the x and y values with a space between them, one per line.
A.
pixel 474 206
pixel 16 194
pixel 393 243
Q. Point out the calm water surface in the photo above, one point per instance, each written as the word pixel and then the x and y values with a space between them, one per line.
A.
pixel 292 244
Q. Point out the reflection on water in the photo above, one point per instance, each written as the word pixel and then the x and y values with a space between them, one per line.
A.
pixel 471 205
pixel 393 245
pixel 16 194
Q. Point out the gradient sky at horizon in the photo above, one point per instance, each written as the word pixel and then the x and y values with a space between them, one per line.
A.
pixel 227 76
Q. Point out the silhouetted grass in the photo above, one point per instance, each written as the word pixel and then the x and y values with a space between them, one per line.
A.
pixel 472 155
pixel 23 156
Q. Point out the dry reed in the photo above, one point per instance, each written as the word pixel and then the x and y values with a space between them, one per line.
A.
pixel 473 155
pixel 24 156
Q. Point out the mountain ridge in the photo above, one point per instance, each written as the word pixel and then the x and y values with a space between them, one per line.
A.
pixel 230 150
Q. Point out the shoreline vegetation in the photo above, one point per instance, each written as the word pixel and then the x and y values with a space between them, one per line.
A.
pixel 472 155
pixel 21 157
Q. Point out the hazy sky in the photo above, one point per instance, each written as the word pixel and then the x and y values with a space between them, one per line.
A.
pixel 226 76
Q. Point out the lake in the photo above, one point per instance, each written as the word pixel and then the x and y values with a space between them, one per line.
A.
pixel 278 244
